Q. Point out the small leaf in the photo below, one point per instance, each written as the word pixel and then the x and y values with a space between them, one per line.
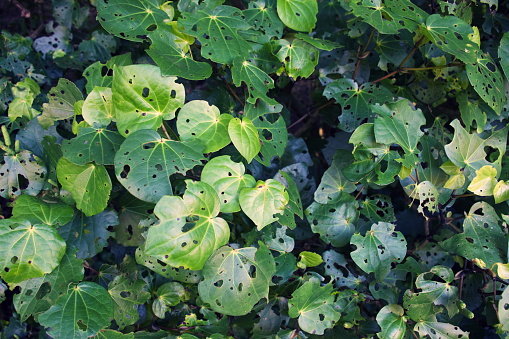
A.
pixel 85 310
pixel 501 191
pixel 21 173
pixel 98 107
pixel 484 181
pixel 263 202
pixel 90 185
pixel 310 259
pixel 258 82
pixel 391 321
pixel 168 294
pixel 61 103
pixel 97 145
pixel 244 136
pixel 334 186
pixel 299 15
pixel 37 211
pixel 456 179
pixel 127 296
pixel 298 57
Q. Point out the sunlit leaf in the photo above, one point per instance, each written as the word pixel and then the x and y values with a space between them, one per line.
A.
pixel 299 15
pixel 244 136
pixel 61 103
pixel 391 321
pixel 37 211
pixel 97 145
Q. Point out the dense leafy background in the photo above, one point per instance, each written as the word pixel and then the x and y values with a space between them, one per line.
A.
pixel 254 169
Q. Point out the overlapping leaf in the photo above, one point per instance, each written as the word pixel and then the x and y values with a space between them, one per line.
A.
pixel 334 185
pixel 92 145
pixel 263 18
pixel 299 15
pixel 21 173
pixel 35 211
pixel 97 109
pixel 127 296
pixel 391 321
pixel 298 57
pixel 244 136
pixel 61 103
pixel 258 82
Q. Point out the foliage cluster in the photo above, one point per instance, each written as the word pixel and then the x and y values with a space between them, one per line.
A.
pixel 254 169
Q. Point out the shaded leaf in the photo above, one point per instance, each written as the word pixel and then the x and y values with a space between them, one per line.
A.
pixel 391 321
pixel 97 145
pixel 21 173
pixel 127 296
pixel 298 57
pixel 61 103
pixel 258 82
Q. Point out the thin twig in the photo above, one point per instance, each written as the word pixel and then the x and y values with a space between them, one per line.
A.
pixel 231 91
pixel 362 55
pixel 312 114
pixel 25 13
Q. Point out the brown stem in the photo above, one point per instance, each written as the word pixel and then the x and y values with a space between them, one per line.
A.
pixel 25 13
pixel 231 90
pixel 314 111
pixel 363 54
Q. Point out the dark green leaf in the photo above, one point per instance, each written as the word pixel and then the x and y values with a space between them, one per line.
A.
pixel 127 295
pixel 97 145
pixel 61 103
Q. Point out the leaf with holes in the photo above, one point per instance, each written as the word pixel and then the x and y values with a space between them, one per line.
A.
pixel 314 306
pixel 131 20
pixel 197 120
pixel 168 294
pixel 421 305
pixel 379 16
pixel 188 244
pixel 482 236
pixel 37 211
pixel 356 101
pixel 218 31
pixel 145 161
pixel 392 322
pixel 61 103
pixel 336 266
pixel 227 178
pixel 132 211
pixel 503 310
pixel 89 234
pixel 501 191
pixel 86 309
pixel 298 57
pixel 335 222
pixel 39 294
pixel 28 251
pixel 101 75
pixel 275 237
pixel 236 279
pixel 294 206
pixel 427 194
pixel 21 173
pixel 503 53
pixel 128 295
pixel 143 98
pixel 378 208
pixel 258 82
pixel 244 136
pixel 89 185
pixel 174 60
pixel 92 145
pixel 263 18
pixel 381 247
pixel 334 185
pixel 299 15
pixel 487 81
pixel 97 109
pixel 438 330
pixel 264 202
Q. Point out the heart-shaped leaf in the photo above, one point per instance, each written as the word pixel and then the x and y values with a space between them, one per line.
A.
pixel 298 57
pixel 391 321
pixel 244 136
pixel 61 103
pixel 299 15
pixel 127 296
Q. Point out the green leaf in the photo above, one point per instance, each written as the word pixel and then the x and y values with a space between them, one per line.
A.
pixel 470 112
pixel 244 136
pixel 456 179
pixel 437 330
pixel 174 60
pixel 275 237
pixel 168 294
pixel 298 57
pixel 392 322
pixel 131 20
pixel 503 310
pixel 197 120
pixel 258 82
pixel 501 191
pixel 310 259
pixel 236 279
pixel 98 107
pixel 487 81
pixel 503 53
pixel 484 181
pixel 334 186
pixel 89 234
pixel 82 312
pixel 24 94
pixel 90 185
pixel 334 222
pixel 111 334
pixel 97 145
pixel 132 211
pixel 356 101
pixel 37 211
pixel 264 202
pixel 143 98
pixel 187 244
pixel 379 249
pixel 127 295
pixel 451 34
pixel 377 15
pixel 294 206
pixel 299 15
pixel 263 18
pixel 39 294
pixel 323 44
pixel 148 179
pixel 336 267
pixel 28 251
pixel 218 31
pixel 314 305
pixel 101 75
pixel 482 237
pixel 227 178
pixel 420 305
pixel 21 173
pixel 61 103
pixel 378 208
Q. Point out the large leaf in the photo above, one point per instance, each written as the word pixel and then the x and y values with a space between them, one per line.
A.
pixel 89 234
pixel 21 173
pixel 263 18
pixel 218 32
pixel 38 294
pixel 391 321
pixel 299 15
pixel 227 178
pixel 438 330
pixel 179 243
pixel 236 279
pixel 334 186
pixel 145 162
pixel 131 20
pixel 197 120
pixel 37 211
pixel 143 98
pixel 173 59
pixel 97 109
pixel 298 57
pixel 61 103
pixel 28 251
pixel 482 236
pixel 82 312
pixel 244 136
pixel 97 145
pixel 258 82
pixel 127 295
pixel 377 250
pixel 264 202
pixel 90 185
pixel 314 306
pixel 355 101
